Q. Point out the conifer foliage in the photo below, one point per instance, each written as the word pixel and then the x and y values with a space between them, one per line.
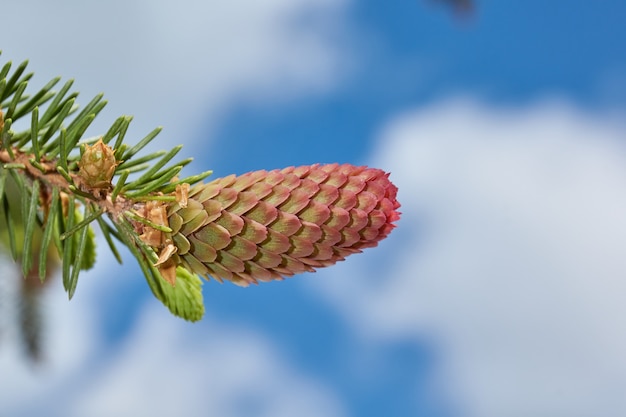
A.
pixel 56 185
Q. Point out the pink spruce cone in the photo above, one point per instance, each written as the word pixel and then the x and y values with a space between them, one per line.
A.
pixel 264 225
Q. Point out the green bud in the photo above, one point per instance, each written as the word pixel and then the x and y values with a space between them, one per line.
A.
pixel 97 165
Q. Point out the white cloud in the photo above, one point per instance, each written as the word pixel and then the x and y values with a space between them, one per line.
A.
pixel 180 64
pixel 509 255
pixel 166 368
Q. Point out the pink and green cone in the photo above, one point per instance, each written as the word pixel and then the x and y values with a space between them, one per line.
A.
pixel 265 225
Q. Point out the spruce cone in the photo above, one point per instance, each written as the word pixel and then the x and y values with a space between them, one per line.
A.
pixel 264 225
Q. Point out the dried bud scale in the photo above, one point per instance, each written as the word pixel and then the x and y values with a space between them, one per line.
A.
pixel 264 225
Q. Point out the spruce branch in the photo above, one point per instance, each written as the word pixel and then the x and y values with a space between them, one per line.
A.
pixel 55 185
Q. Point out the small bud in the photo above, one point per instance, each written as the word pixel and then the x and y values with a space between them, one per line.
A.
pixel 1 120
pixel 97 165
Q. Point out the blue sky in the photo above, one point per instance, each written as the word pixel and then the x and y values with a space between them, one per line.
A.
pixel 499 292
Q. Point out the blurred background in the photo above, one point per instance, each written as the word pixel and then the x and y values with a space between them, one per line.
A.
pixel 499 294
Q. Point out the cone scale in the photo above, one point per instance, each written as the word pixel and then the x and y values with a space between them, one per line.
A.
pixel 266 225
